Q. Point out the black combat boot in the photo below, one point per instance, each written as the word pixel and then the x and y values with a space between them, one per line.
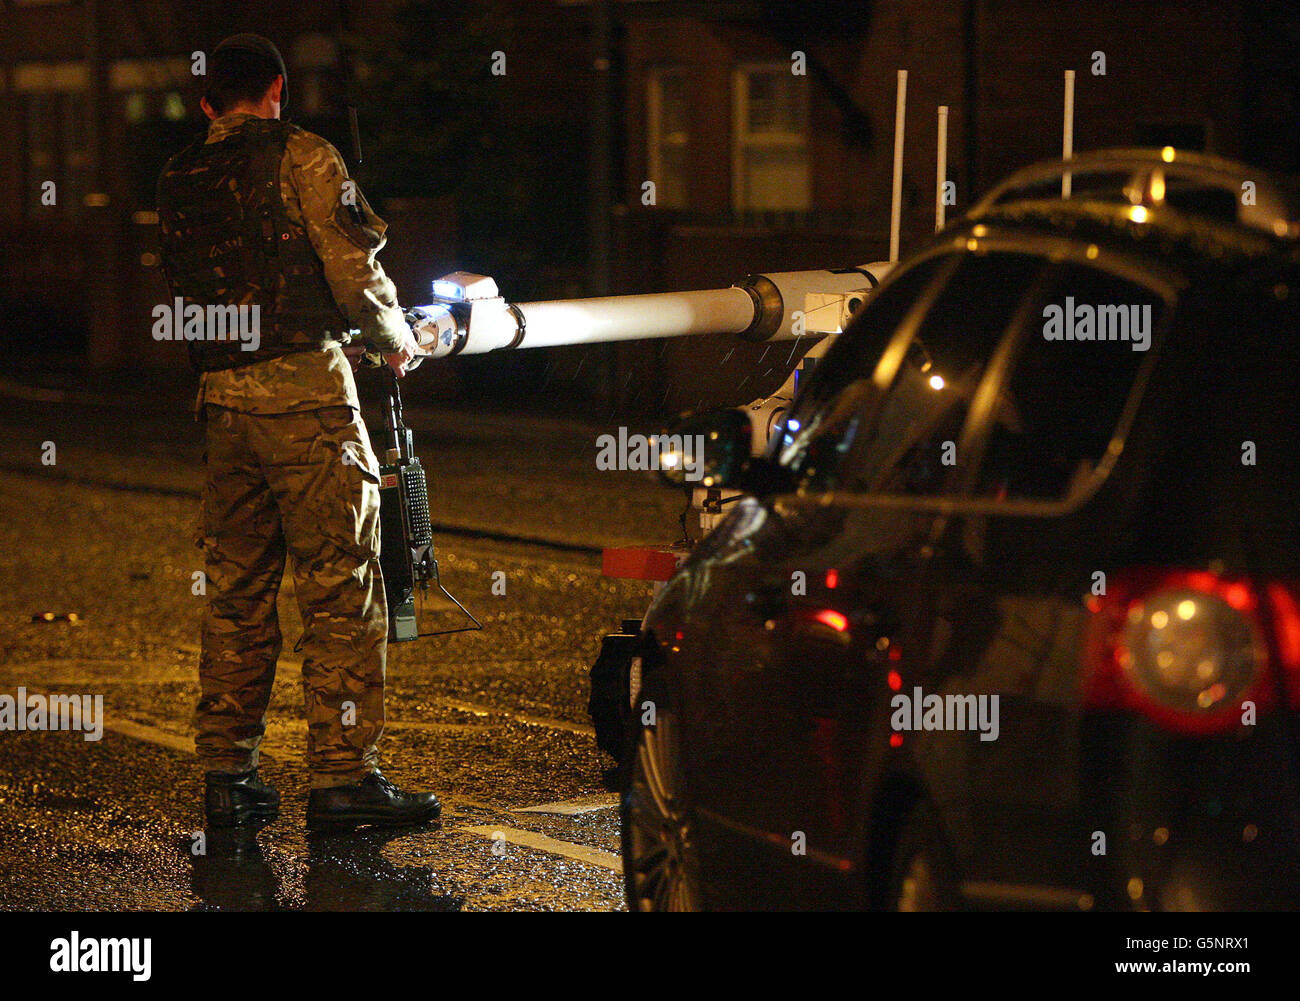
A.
pixel 232 799
pixel 373 800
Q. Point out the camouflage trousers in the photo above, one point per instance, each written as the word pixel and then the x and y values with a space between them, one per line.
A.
pixel 304 485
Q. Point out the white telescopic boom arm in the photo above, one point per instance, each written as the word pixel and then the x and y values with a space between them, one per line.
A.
pixel 626 317
pixel 468 315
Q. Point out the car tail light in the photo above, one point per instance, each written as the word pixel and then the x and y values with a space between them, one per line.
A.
pixel 1188 649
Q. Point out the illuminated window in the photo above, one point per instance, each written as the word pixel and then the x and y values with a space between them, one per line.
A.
pixel 770 156
pixel 173 108
pixel 135 107
pixel 313 59
pixel 54 131
pixel 669 135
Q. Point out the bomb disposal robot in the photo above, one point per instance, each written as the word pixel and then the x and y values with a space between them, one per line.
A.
pixel 469 316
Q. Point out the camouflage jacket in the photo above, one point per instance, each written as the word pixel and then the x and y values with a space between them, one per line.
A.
pixel 312 186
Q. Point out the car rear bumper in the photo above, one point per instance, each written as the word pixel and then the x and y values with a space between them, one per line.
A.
pixel 1193 823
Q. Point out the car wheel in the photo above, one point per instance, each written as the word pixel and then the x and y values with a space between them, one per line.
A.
pixel 924 877
pixel 660 862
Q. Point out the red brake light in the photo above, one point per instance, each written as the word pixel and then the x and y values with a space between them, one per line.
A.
pixel 829 617
pixel 1285 602
pixel 1184 648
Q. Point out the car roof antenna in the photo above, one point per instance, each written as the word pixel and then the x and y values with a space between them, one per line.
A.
pixel 896 202
pixel 941 168
pixel 1067 136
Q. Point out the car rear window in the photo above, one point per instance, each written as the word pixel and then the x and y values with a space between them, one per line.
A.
pixel 855 352
pixel 913 447
pixel 827 413
pixel 1072 377
pixel 825 441
pixel 1086 336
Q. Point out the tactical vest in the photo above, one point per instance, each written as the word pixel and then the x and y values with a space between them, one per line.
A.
pixel 227 241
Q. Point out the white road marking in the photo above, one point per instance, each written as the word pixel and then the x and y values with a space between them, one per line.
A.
pixel 475 708
pixel 397 724
pixel 540 842
pixel 526 718
pixel 276 731
pixel 151 734
pixel 573 807
pixel 272 749
pixel 277 743
pixel 71 672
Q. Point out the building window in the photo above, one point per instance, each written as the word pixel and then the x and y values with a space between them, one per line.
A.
pixel 770 156
pixel 173 106
pixel 54 129
pixel 314 58
pixel 669 135
pixel 135 107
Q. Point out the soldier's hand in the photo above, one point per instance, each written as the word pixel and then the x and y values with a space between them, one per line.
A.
pixel 354 353
pixel 399 360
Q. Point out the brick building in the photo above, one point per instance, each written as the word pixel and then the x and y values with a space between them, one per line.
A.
pixel 759 168
pixel 766 129
pixel 94 97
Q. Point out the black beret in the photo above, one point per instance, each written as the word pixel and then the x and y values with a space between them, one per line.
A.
pixel 249 42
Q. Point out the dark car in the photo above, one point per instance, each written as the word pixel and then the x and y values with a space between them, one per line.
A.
pixel 1009 616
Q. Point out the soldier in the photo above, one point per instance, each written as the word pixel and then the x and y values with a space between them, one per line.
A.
pixel 261 215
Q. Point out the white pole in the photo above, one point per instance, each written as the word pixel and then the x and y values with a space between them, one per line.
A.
pixel 631 317
pixel 896 205
pixel 1067 143
pixel 941 171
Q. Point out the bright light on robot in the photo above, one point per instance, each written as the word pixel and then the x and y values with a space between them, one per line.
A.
pixel 936 382
pixel 792 425
pixel 443 289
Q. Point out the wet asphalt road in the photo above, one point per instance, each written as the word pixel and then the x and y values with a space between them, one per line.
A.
pixel 494 721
